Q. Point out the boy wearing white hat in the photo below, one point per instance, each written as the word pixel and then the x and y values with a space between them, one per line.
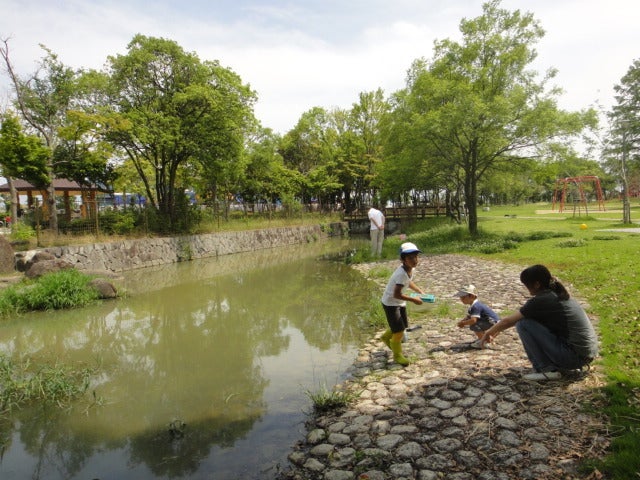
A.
pixel 479 316
pixel 394 301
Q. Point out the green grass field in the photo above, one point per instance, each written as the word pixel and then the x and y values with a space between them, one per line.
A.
pixel 600 267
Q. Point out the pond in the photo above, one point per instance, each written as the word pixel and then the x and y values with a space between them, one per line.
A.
pixel 204 368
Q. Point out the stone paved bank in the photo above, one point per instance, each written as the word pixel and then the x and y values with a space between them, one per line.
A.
pixel 147 252
pixel 454 413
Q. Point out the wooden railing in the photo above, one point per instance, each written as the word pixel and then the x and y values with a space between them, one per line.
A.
pixel 399 213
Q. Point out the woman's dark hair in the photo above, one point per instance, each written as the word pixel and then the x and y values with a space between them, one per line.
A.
pixel 539 273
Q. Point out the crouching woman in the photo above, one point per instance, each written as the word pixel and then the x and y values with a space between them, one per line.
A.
pixel 555 331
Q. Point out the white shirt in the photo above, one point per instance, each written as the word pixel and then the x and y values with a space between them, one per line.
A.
pixel 399 277
pixel 377 218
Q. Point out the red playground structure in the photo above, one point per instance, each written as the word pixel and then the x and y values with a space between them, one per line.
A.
pixel 581 201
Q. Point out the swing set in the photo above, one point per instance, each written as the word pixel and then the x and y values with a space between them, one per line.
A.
pixel 578 194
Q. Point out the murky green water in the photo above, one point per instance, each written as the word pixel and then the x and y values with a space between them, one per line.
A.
pixel 228 346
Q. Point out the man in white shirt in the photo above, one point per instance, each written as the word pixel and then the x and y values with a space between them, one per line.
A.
pixel 376 218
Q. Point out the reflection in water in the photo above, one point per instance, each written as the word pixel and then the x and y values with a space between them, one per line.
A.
pixel 226 346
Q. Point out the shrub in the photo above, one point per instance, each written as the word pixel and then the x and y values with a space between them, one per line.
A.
pixel 579 242
pixel 546 234
pixel 77 226
pixel 64 289
pixel 118 222
pixel 21 232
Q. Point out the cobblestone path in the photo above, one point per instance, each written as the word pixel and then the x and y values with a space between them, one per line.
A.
pixel 455 413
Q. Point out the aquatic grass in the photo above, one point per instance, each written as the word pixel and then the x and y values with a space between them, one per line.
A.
pixel 58 290
pixel 24 383
pixel 375 314
pixel 325 400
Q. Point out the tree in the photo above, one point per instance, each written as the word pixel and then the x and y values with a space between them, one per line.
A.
pixel 310 149
pixel 410 163
pixel 83 154
pixel 175 112
pixel 43 100
pixel 624 141
pixel 477 105
pixel 365 124
pixel 21 156
pixel 266 177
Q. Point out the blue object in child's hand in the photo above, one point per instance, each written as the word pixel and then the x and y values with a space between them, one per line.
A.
pixel 425 297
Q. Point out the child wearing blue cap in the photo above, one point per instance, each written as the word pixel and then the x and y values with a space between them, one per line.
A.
pixel 394 301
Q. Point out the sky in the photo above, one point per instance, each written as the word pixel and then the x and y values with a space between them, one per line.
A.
pixel 298 55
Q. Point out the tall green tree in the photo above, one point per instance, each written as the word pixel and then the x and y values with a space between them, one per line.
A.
pixel 21 156
pixel 310 149
pixel 478 105
pixel 176 112
pixel 410 161
pixel 83 154
pixel 624 140
pixel 43 100
pixel 365 124
pixel 266 178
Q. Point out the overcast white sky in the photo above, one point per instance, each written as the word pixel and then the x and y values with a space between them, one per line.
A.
pixel 301 54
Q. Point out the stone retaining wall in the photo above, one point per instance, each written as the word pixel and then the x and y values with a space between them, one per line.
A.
pixel 130 254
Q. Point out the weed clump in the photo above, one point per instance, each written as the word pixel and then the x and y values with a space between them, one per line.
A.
pixel 325 400
pixel 24 383
pixel 54 291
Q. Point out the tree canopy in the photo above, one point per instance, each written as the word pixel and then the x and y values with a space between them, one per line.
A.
pixel 475 106
pixel 173 111
pixel 43 100
pixel 474 122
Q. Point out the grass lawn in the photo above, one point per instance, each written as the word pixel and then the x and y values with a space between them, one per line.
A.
pixel 600 267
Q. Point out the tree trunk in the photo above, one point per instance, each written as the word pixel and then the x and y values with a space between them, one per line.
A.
pixel 15 201
pixel 53 211
pixel 626 207
pixel 471 202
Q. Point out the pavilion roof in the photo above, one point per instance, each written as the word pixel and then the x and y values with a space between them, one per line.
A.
pixel 60 184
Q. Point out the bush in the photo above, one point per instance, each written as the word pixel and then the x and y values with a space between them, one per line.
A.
pixel 494 246
pixel 21 232
pixel 572 243
pixel 546 234
pixel 77 226
pixel 118 222
pixel 64 289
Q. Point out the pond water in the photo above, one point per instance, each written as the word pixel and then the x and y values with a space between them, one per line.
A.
pixel 204 368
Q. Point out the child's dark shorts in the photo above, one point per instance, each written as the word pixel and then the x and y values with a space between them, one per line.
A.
pixel 396 317
pixel 481 325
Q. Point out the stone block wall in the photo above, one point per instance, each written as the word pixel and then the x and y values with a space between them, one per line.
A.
pixel 130 254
